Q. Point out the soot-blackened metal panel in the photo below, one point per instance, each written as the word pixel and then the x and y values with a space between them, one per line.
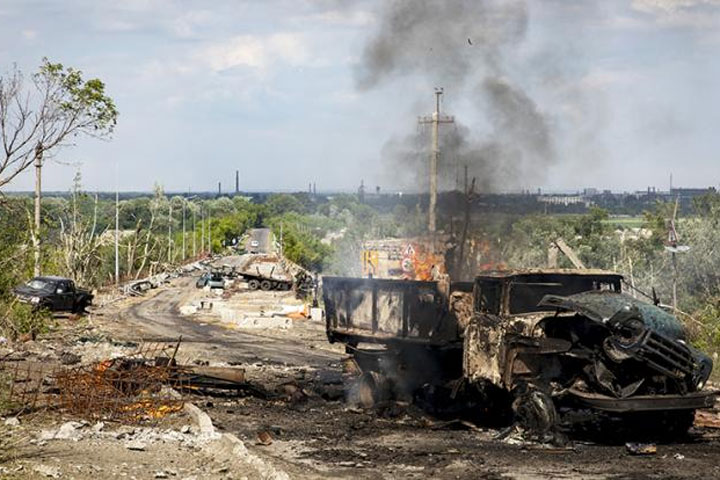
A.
pixel 387 309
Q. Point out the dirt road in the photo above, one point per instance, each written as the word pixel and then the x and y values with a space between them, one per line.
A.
pixel 158 319
pixel 259 241
pixel 316 435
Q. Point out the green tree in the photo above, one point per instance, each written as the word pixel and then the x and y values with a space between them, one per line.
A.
pixel 278 204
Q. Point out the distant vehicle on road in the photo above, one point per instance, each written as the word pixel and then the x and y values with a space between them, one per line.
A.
pixel 213 280
pixel 57 294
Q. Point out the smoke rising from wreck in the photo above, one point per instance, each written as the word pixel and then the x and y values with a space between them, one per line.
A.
pixel 462 45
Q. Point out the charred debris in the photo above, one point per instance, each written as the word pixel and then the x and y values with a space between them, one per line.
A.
pixel 141 387
pixel 549 351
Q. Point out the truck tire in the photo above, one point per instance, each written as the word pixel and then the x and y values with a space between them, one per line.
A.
pixel 253 284
pixel 80 306
pixel 535 411
pixel 369 390
pixel 265 285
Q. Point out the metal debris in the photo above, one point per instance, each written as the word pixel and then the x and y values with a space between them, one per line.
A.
pixel 641 448
pixel 264 438
pixel 142 387
pixel 707 419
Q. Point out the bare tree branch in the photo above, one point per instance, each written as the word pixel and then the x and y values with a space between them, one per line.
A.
pixel 42 116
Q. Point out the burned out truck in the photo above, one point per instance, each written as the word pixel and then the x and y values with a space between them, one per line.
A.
pixel 542 347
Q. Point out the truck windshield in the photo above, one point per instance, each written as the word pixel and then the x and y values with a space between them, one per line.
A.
pixel 525 296
pixel 488 297
pixel 38 284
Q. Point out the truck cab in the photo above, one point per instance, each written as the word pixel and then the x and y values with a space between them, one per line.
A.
pixel 559 338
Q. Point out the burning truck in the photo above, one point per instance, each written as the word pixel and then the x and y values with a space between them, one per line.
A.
pixel 541 347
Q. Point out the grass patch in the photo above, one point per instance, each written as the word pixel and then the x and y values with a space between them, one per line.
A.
pixel 625 222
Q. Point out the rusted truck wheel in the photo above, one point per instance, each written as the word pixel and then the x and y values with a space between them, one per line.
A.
pixel 534 411
pixel 253 284
pixel 369 390
pixel 265 285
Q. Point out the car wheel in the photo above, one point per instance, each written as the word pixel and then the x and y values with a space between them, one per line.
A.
pixel 253 284
pixel 80 306
pixel 265 285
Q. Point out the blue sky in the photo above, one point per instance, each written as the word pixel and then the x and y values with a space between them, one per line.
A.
pixel 629 89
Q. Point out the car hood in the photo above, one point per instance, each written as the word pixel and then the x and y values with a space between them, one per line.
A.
pixel 602 305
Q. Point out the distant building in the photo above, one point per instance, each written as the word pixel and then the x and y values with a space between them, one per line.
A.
pixel 565 200
pixel 691 192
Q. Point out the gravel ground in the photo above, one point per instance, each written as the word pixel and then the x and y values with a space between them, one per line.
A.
pixel 302 426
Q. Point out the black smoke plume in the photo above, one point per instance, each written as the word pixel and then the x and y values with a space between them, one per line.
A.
pixel 462 45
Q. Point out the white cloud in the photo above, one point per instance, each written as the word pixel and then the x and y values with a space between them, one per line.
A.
pixel 108 24
pixel 698 14
pixel 257 51
pixel 654 6
pixel 346 18
pixel 187 24
pixel 603 79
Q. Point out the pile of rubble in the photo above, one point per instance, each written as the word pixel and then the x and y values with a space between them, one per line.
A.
pixel 140 286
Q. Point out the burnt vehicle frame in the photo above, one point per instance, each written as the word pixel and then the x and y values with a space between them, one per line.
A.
pixel 544 341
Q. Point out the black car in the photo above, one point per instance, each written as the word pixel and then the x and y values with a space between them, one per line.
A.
pixel 57 294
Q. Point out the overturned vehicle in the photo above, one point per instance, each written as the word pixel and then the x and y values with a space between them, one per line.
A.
pixel 542 347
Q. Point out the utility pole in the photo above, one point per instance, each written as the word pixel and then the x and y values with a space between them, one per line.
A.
pixel 38 190
pixel 237 182
pixel 169 230
pixel 674 248
pixel 183 228
pixel 117 228
pixel 194 235
pixel 210 246
pixel 435 120
pixel 202 228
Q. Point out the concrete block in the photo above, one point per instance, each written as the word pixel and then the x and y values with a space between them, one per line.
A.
pixel 202 420
pixel 188 309
pixel 263 322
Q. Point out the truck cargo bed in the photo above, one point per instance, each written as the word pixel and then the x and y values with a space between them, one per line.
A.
pixel 388 311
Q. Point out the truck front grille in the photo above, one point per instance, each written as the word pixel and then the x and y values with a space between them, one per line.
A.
pixel 666 355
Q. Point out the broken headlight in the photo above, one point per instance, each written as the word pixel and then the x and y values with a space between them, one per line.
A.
pixel 704 366
pixel 628 332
